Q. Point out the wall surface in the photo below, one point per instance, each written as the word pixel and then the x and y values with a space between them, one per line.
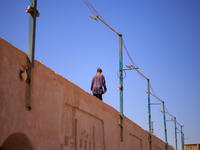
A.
pixel 63 116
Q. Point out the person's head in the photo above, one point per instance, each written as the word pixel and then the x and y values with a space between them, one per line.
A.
pixel 99 70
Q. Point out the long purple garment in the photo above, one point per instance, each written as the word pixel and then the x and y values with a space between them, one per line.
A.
pixel 98 83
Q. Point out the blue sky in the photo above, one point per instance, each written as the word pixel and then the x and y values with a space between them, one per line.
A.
pixel 162 37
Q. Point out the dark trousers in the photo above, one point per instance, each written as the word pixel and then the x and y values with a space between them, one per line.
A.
pixel 99 96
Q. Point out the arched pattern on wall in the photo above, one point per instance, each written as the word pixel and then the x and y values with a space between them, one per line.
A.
pixel 16 141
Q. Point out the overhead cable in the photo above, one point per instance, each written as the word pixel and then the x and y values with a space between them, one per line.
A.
pixel 92 9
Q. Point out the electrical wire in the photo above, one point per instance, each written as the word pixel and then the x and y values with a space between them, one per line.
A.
pixel 97 15
pixel 92 9
pixel 128 54
pixel 89 7
pixel 166 109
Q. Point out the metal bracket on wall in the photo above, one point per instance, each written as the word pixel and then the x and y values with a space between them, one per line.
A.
pixel 30 77
pixel 121 127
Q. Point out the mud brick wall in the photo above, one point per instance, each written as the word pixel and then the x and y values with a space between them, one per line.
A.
pixel 63 116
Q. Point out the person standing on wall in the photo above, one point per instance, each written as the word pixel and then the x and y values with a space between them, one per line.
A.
pixel 98 86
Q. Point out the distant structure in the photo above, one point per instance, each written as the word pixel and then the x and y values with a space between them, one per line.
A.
pixel 152 127
pixel 193 146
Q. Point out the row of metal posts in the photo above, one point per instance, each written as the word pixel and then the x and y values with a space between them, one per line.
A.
pixel 175 122
pixel 148 87
pixel 31 53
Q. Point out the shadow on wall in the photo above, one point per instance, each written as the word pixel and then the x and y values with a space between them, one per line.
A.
pixel 16 141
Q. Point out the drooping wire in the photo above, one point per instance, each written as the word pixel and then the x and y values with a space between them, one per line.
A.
pixel 166 109
pixel 133 64
pixel 128 54
pixel 153 90
pixel 97 15
pixel 89 7
pixel 92 9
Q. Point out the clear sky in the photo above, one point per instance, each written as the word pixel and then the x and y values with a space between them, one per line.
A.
pixel 162 37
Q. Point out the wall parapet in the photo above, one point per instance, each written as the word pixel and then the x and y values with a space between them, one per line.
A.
pixel 63 116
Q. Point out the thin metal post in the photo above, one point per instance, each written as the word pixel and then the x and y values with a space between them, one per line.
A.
pixel 183 141
pixel 31 38
pixel 165 128
pixel 175 132
pixel 31 50
pixel 121 76
pixel 182 138
pixel 121 84
pixel 149 111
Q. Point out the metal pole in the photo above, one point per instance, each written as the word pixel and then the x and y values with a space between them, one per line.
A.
pixel 182 138
pixel 149 110
pixel 121 76
pixel 183 141
pixel 31 38
pixel 121 84
pixel 31 49
pixel 175 132
pixel 165 128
